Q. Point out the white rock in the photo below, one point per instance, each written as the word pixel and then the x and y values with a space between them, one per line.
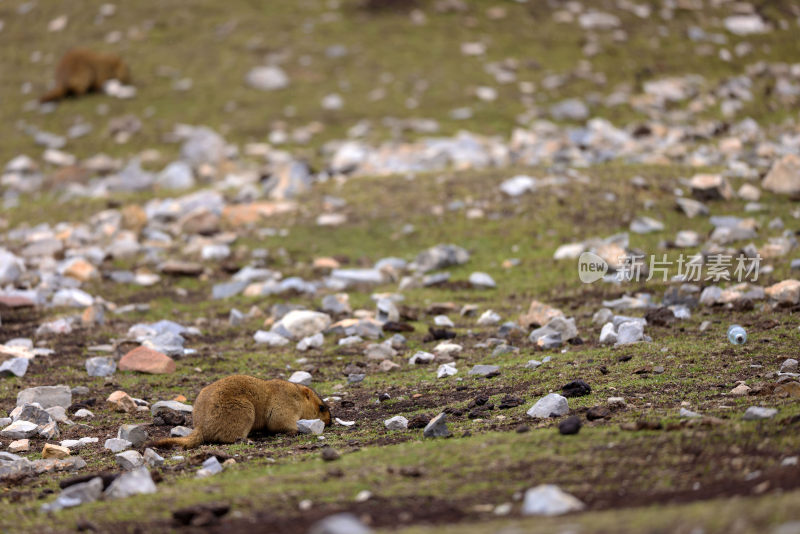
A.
pixel 482 280
pixel 270 338
pixel 117 444
pixel 443 320
pixel 489 318
pixel 301 377
pixel 549 500
pixel 445 370
pixel 552 404
pixel 311 342
pixel 608 335
pixel 398 422
pixel 129 460
pixel 269 78
pixel 134 482
pixel 298 324
pixel 310 426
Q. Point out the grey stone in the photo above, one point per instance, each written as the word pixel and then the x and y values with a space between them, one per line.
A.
pixel 379 351
pixel 152 458
pixel 75 495
pixel 298 324
pixel 211 466
pixel 203 145
pixel 646 225
pixel 227 290
pixel 301 377
pixel 235 317
pixel 437 427
pixel 311 342
pixel 484 370
pixel 387 311
pixel 14 366
pixel 489 318
pixel 270 338
pixel 482 280
pixel 101 366
pixel 358 276
pixel 755 413
pixel 310 426
pixel 398 422
pixel 692 208
pixel 552 405
pixel 630 332
pixel 688 414
pixel 117 444
pixel 421 357
pixel 20 430
pixel 570 109
pixel 180 431
pixel 133 482
pixel 440 257
pixel 608 334
pixel 46 396
pixel 135 434
pixel 129 460
pixel 160 406
pixel 445 370
pixel 176 175
pixel 336 304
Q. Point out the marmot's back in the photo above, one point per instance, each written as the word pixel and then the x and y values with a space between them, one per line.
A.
pixel 80 71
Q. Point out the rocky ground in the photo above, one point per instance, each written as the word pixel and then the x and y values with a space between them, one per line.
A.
pixel 390 201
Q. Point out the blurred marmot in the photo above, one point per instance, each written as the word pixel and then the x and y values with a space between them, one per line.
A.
pixel 230 408
pixel 81 71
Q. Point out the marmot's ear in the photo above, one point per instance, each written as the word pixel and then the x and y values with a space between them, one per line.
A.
pixel 307 393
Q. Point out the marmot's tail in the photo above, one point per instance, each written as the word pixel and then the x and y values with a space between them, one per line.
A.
pixel 54 94
pixel 192 440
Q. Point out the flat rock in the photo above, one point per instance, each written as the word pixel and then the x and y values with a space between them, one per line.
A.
pixel 146 360
pixel 46 396
pixel 484 370
pixel 160 406
pixel 755 413
pixel 20 430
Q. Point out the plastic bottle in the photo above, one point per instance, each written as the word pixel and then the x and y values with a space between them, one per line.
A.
pixel 737 334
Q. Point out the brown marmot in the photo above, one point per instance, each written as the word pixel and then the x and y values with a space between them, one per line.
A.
pixel 80 71
pixel 230 408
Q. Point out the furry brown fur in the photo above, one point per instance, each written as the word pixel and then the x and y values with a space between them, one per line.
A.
pixel 229 409
pixel 81 71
